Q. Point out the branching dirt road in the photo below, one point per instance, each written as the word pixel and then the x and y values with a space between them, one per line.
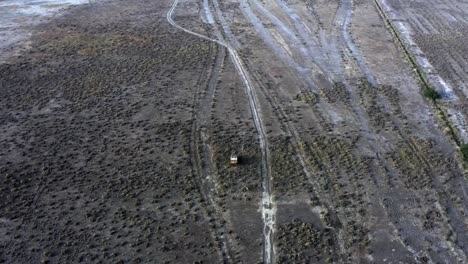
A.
pixel 331 64
pixel 267 205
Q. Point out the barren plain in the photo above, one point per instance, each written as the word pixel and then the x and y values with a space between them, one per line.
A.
pixel 118 120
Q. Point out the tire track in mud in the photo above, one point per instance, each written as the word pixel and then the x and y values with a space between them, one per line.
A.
pixel 320 53
pixel 326 200
pixel 281 50
pixel 316 54
pixel 455 225
pixel 347 5
pixel 204 185
pixel 315 15
pixel 267 207
pixel 343 14
pixel 453 220
pixel 226 29
pixel 361 115
pixel 341 27
pixel 319 49
pixel 404 227
pixel 291 131
pixel 342 21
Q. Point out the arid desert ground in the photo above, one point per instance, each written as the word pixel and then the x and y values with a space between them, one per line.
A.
pixel 118 120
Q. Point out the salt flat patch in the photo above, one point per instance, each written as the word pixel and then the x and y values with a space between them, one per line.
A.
pixel 17 17
pixel 38 7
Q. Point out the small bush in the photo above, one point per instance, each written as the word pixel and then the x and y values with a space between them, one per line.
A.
pixel 432 94
pixel 464 151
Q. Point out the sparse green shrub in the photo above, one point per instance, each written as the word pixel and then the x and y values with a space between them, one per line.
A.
pixel 464 151
pixel 432 94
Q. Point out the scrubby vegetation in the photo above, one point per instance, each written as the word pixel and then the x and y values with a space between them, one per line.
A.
pixel 464 151
pixel 432 94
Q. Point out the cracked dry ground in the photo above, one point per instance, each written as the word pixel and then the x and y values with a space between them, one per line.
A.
pixel 116 130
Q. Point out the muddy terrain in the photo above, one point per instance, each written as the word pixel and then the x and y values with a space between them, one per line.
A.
pixel 118 119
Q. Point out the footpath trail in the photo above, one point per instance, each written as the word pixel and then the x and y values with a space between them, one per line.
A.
pixel 267 206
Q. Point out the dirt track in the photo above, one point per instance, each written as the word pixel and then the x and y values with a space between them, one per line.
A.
pixel 117 126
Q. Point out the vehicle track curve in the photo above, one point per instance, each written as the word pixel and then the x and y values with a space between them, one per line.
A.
pixel 267 206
